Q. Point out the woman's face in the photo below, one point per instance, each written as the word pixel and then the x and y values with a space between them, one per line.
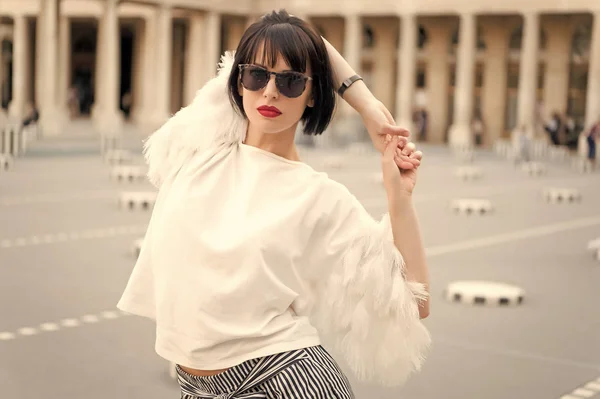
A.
pixel 268 110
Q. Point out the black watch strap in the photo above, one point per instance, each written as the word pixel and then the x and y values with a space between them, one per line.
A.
pixel 347 83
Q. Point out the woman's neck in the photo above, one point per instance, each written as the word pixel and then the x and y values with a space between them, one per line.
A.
pixel 282 143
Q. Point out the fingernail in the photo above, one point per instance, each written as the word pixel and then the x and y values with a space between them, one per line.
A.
pixel 388 137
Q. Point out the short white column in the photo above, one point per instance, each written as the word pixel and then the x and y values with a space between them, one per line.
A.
pixel 51 123
pixel 194 73
pixel 164 59
pixel 16 108
pixel 528 74
pixel 460 133
pixel 213 45
pixel 407 64
pixel 592 108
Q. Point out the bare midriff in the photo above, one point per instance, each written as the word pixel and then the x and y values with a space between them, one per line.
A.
pixel 201 373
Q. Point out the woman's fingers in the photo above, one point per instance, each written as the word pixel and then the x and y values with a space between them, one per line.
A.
pixel 395 131
pixel 409 148
pixel 404 161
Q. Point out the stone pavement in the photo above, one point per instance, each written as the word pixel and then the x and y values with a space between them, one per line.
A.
pixel 66 254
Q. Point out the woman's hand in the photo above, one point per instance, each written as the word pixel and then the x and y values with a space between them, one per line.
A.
pixel 399 181
pixel 380 123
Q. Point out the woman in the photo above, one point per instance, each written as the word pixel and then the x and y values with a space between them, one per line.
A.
pixel 251 257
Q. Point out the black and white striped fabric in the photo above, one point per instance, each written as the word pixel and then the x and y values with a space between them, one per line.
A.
pixel 309 373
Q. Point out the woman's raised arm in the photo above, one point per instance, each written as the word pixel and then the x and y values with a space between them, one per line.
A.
pixel 376 117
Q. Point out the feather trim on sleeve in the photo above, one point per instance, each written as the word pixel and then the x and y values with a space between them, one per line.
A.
pixel 209 120
pixel 369 311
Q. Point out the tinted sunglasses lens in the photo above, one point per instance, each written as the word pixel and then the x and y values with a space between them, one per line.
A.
pixel 291 84
pixel 254 78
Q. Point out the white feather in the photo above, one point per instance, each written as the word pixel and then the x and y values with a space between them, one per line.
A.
pixel 369 311
pixel 208 121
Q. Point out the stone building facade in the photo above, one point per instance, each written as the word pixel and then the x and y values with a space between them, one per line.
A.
pixel 510 62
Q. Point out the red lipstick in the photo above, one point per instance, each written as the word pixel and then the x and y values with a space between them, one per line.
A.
pixel 268 111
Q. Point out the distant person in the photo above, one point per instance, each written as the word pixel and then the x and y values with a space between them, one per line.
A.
pixel 422 123
pixel 31 116
pixel 478 128
pixel 553 128
pixel 593 134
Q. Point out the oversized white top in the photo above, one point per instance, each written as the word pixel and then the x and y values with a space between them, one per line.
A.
pixel 249 254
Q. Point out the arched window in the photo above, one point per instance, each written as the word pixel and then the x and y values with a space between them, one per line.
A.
pixel 422 37
pixel 368 37
pixel 581 40
pixel 84 44
pixel 514 43
pixel 480 42
pixel 516 39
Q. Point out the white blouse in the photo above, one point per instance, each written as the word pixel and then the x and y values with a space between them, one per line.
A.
pixel 249 254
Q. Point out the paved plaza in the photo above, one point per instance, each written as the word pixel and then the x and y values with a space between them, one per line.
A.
pixel 66 252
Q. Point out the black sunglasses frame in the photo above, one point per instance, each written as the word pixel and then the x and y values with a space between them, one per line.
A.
pixel 278 77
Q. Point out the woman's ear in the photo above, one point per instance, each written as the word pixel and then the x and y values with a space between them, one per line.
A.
pixel 311 101
pixel 240 87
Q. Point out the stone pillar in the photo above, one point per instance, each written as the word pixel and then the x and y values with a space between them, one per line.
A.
pixel 384 70
pixel 438 77
pixel 592 108
pixel 352 53
pixel 176 68
pixel 111 119
pixel 407 64
pixel 236 30
pixel 64 70
pixel 528 74
pixel 592 111
pixel 99 70
pixel 20 67
pixel 495 72
pixel 213 45
pixel 164 58
pixel 39 57
pixel 353 40
pixel 146 102
pixel 2 113
pixel 559 35
pixel 49 119
pixel 137 90
pixel 194 73
pixel 460 133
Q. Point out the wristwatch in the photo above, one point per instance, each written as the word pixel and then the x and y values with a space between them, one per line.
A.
pixel 347 83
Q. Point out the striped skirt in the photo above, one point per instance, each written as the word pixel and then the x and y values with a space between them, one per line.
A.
pixel 309 373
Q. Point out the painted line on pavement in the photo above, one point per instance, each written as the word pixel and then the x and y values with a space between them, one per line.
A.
pixel 517 354
pixel 588 390
pixel 504 238
pixel 61 325
pixel 73 236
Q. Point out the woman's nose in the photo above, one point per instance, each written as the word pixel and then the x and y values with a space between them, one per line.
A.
pixel 271 89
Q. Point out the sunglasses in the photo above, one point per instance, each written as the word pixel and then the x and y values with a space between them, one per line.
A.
pixel 290 84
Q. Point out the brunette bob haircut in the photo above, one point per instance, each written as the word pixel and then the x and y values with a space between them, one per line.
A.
pixel 281 34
